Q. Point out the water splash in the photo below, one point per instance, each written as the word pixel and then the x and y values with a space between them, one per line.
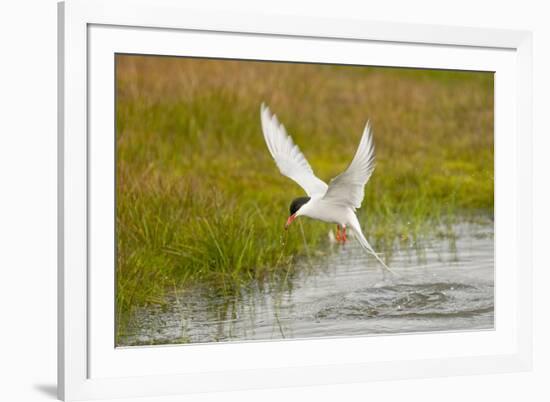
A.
pixel 451 287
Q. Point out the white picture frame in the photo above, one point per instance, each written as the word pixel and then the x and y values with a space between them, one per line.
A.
pixel 91 32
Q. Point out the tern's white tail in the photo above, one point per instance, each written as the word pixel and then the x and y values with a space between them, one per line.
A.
pixel 365 244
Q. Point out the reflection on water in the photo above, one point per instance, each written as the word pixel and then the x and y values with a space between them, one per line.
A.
pixel 447 284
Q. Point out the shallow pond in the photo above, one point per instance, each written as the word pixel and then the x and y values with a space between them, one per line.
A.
pixel 442 284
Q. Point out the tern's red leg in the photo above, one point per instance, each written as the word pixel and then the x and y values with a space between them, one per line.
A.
pixel 344 237
pixel 338 235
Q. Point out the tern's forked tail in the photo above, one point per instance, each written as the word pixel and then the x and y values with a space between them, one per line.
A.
pixel 365 244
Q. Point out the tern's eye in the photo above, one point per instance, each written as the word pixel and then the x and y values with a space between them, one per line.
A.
pixel 297 204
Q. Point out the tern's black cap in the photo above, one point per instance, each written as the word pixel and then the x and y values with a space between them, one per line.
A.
pixel 297 203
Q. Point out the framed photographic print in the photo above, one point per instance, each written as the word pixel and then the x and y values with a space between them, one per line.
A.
pixel 263 201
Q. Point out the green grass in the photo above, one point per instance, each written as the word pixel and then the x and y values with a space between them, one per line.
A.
pixel 199 199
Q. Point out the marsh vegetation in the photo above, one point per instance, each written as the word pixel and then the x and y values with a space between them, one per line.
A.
pixel 200 201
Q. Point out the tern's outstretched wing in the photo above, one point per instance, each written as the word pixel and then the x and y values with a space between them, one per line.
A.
pixel 290 161
pixel 348 188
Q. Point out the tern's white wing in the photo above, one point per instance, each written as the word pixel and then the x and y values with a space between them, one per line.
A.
pixel 290 161
pixel 348 188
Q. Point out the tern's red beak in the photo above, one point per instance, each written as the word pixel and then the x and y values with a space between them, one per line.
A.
pixel 290 220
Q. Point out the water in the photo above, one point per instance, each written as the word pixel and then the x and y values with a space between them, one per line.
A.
pixel 444 284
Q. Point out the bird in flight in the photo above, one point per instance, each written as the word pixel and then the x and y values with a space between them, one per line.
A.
pixel 332 203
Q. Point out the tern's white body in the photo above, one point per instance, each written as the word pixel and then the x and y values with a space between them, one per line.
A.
pixel 332 203
pixel 322 210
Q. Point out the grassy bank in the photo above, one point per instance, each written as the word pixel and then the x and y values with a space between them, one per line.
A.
pixel 200 199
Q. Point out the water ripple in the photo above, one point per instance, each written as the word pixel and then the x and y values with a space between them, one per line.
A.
pixel 450 287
